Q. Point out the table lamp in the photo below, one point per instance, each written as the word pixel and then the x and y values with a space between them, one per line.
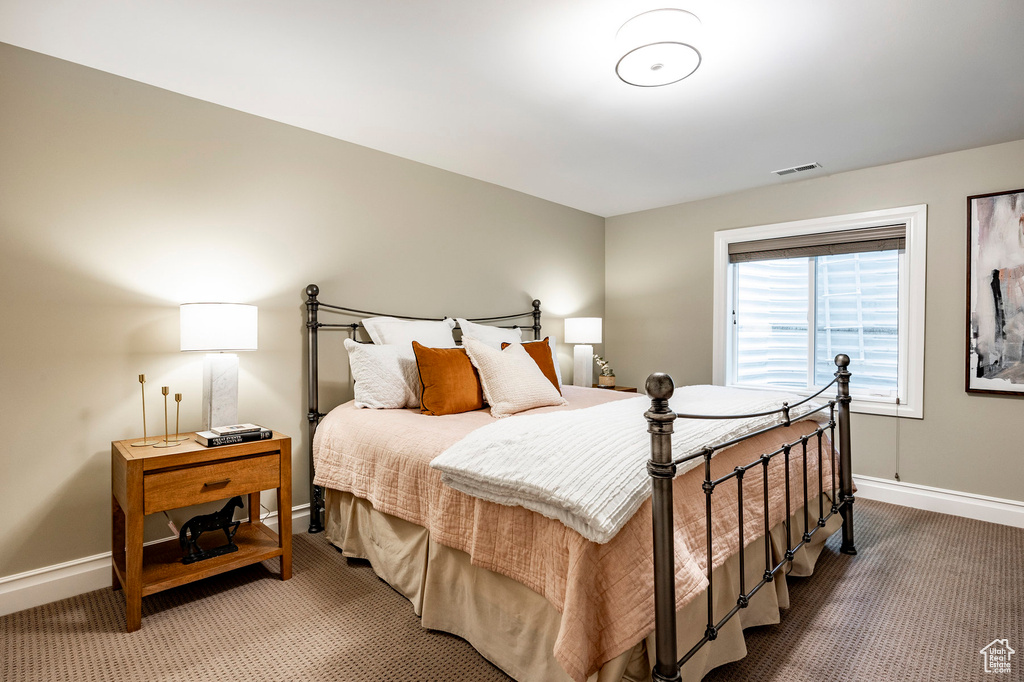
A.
pixel 583 331
pixel 219 330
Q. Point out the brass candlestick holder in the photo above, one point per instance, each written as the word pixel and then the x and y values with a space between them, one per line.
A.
pixel 177 420
pixel 166 442
pixel 145 439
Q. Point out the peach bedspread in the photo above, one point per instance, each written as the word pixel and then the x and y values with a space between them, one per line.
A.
pixel 603 591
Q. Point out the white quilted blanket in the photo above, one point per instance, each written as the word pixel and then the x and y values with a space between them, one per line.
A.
pixel 587 468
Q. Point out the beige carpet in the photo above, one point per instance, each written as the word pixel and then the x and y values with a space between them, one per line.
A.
pixel 924 596
pixel 334 620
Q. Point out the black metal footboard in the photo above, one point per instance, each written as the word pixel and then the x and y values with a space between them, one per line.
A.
pixel 662 468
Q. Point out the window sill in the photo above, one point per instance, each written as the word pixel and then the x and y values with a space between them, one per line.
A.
pixel 860 405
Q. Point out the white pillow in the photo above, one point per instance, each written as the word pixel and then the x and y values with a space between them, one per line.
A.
pixel 392 331
pixel 511 380
pixel 492 336
pixel 386 376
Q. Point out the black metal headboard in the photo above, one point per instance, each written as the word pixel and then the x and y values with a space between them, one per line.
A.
pixel 313 326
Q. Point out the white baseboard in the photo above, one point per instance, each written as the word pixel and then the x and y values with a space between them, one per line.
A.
pixel 968 505
pixel 60 581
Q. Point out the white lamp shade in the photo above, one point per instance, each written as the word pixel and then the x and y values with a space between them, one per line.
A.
pixel 583 330
pixel 213 327
pixel 658 47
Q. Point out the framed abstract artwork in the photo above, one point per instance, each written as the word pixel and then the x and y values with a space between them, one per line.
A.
pixel 995 293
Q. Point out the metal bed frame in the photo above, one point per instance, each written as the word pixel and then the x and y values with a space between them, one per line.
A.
pixel 313 326
pixel 662 469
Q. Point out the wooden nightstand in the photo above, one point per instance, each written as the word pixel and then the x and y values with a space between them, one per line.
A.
pixel 146 480
pixel 624 389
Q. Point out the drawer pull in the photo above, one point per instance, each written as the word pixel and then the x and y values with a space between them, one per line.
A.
pixel 215 484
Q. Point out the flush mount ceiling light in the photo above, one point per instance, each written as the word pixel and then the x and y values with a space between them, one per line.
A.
pixel 657 48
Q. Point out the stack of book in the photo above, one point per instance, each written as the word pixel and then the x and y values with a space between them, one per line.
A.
pixel 230 435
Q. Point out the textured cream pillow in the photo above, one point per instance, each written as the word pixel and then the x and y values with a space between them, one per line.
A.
pixel 511 380
pixel 386 376
pixel 495 336
pixel 492 336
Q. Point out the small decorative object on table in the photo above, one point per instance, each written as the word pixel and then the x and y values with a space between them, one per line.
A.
pixel 166 442
pixel 607 377
pixel 146 440
pixel 177 421
pixel 197 525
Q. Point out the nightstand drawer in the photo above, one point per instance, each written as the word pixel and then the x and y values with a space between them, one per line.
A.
pixel 210 482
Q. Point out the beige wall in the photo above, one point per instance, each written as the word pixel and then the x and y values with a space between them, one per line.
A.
pixel 120 201
pixel 658 288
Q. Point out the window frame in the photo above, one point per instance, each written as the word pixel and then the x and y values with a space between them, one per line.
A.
pixel 912 300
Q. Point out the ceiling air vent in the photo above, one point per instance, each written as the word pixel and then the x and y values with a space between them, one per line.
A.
pixel 797 169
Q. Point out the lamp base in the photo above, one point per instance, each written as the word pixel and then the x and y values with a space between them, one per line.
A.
pixel 220 390
pixel 583 365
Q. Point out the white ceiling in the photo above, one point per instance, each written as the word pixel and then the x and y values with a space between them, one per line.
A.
pixel 522 93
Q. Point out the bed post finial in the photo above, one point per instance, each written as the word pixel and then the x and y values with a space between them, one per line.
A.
pixel 659 386
pixel 660 420
pixel 845 467
pixel 536 319
pixel 313 415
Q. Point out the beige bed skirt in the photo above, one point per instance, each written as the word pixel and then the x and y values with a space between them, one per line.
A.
pixel 515 628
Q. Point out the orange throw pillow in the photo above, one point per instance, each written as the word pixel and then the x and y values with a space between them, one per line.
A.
pixel 450 383
pixel 540 351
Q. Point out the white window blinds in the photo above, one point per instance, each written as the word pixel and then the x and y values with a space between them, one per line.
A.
pixel 798 301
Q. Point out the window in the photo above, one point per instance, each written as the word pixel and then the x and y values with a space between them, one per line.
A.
pixel 790 297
